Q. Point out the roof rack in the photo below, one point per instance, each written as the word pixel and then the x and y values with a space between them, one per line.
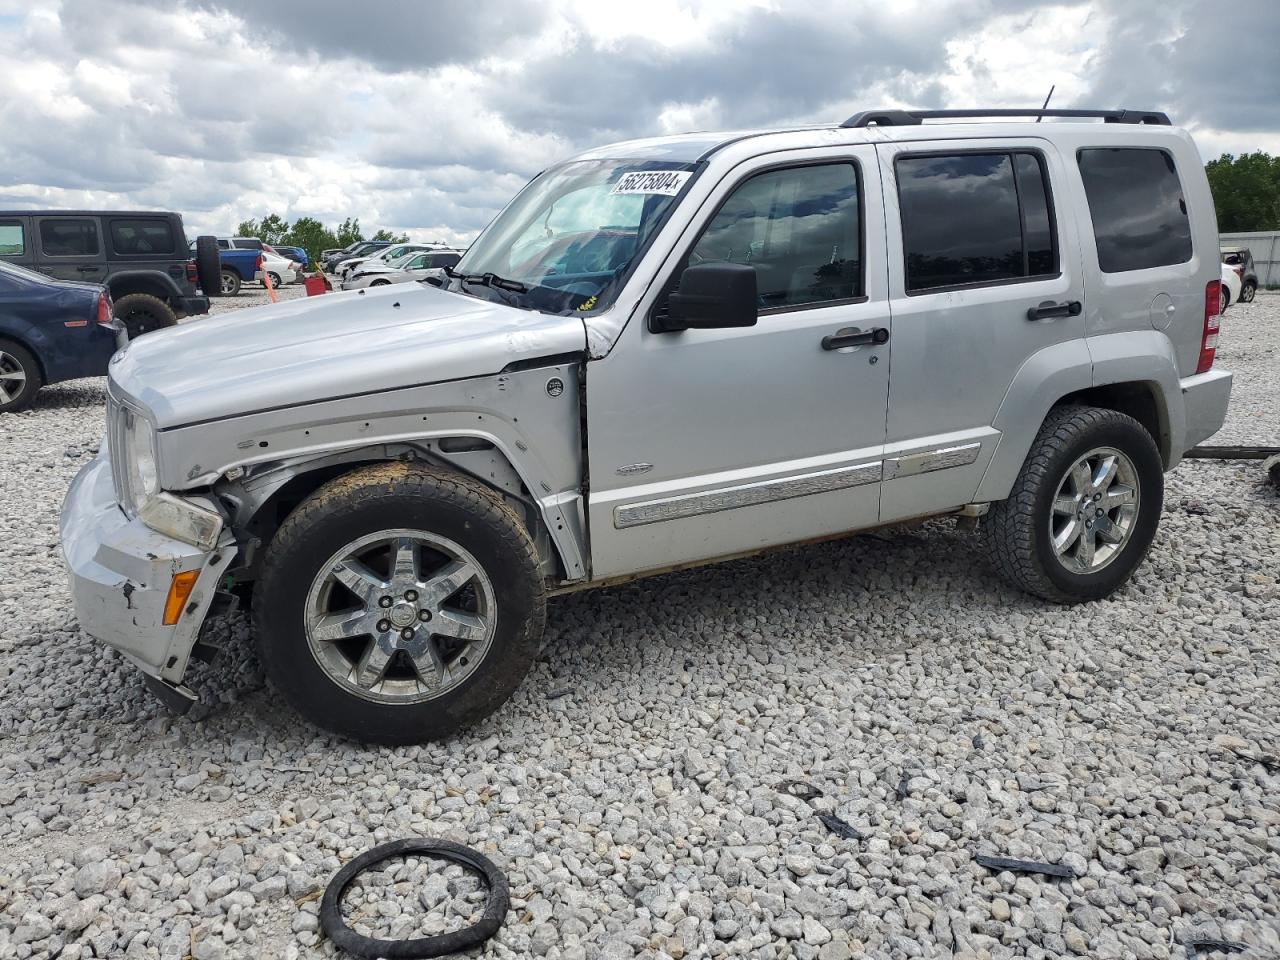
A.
pixel 911 118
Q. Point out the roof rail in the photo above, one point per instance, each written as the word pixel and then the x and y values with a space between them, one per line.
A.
pixel 909 118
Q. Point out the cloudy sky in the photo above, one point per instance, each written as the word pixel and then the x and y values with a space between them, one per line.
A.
pixel 427 115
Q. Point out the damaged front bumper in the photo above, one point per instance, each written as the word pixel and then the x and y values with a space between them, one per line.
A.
pixel 120 573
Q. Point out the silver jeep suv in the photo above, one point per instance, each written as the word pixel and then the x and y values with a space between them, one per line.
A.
pixel 662 353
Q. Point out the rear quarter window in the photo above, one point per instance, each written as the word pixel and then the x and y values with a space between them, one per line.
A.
pixel 1137 206
pixel 142 238
pixel 12 241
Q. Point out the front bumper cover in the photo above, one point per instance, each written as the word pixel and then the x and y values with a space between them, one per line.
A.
pixel 120 571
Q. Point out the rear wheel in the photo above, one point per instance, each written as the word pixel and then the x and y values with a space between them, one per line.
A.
pixel 275 279
pixel 1224 299
pixel 229 283
pixel 1083 511
pixel 1247 292
pixel 142 313
pixel 399 604
pixel 20 378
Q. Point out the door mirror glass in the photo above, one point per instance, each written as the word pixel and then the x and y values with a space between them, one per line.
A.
pixel 713 295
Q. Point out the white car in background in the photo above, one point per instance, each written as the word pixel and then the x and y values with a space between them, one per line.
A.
pixel 279 268
pixel 1231 285
pixel 412 266
pixel 389 255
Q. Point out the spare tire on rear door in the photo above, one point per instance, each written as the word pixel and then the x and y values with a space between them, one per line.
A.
pixel 209 266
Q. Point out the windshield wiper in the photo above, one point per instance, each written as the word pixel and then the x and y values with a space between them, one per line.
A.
pixel 487 280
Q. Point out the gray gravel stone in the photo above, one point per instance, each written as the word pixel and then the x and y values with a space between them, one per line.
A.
pixel 638 818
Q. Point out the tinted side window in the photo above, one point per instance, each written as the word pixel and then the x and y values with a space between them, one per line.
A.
pixel 801 230
pixel 141 237
pixel 69 238
pixel 12 242
pixel 445 259
pixel 975 218
pixel 1139 214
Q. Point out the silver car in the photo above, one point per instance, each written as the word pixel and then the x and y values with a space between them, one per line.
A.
pixel 665 353
pixel 412 266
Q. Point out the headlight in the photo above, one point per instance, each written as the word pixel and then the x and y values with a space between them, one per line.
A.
pixel 182 520
pixel 138 461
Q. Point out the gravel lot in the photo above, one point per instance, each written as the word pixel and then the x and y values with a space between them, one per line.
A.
pixel 939 712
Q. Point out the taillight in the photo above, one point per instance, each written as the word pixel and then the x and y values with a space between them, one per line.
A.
pixel 1209 342
pixel 1239 272
pixel 192 276
pixel 104 309
pixel 258 266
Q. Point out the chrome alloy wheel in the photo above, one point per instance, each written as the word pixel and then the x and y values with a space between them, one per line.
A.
pixel 1094 510
pixel 13 378
pixel 400 616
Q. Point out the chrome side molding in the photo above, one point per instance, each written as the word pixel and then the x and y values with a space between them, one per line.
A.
pixel 930 460
pixel 744 495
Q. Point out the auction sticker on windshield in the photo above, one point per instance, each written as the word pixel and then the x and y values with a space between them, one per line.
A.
pixel 664 182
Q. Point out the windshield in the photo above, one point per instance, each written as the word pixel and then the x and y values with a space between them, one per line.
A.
pixel 572 234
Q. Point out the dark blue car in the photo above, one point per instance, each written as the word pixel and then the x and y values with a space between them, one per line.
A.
pixel 50 330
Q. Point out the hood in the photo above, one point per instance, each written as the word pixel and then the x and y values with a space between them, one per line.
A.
pixel 326 347
pixel 376 266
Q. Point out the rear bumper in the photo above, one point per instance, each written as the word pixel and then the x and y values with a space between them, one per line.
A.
pixel 1204 398
pixel 120 571
pixel 194 306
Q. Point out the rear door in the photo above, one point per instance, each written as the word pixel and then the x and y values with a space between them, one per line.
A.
pixel 984 272
pixel 71 247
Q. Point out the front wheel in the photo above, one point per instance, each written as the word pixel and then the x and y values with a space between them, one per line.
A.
pixel 1224 299
pixel 399 604
pixel 1247 292
pixel 1083 511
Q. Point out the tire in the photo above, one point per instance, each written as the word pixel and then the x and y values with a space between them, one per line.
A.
pixel 275 280
pixel 229 283
pixel 1224 299
pixel 209 266
pixel 20 377
pixel 303 598
pixel 379 283
pixel 1018 533
pixel 142 313
pixel 1247 292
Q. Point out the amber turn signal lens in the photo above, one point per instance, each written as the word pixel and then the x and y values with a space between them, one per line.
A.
pixel 179 590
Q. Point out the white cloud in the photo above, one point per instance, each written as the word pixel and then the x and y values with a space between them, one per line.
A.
pixel 429 124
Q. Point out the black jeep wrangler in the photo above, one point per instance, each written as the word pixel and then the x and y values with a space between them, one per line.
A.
pixel 141 256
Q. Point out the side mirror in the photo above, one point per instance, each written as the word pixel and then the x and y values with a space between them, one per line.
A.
pixel 714 295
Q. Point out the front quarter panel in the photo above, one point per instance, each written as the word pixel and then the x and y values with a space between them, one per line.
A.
pixel 532 422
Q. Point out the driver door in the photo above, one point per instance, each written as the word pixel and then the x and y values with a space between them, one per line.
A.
pixel 708 443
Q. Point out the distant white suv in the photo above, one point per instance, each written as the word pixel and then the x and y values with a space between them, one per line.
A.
pixel 663 353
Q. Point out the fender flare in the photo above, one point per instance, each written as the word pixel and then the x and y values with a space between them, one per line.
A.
pixel 151 278
pixel 1145 356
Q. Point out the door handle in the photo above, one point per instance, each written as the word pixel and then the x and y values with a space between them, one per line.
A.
pixel 836 341
pixel 88 269
pixel 1048 310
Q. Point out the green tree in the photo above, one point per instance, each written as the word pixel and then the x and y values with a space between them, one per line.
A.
pixel 246 228
pixel 393 237
pixel 312 236
pixel 348 232
pixel 1246 191
pixel 272 229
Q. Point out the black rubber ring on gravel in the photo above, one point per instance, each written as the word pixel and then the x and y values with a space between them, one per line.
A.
pixel 347 939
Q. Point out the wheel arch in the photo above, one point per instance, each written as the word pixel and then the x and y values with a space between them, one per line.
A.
pixel 149 282
pixel 264 499
pixel 1135 373
pixel 30 346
